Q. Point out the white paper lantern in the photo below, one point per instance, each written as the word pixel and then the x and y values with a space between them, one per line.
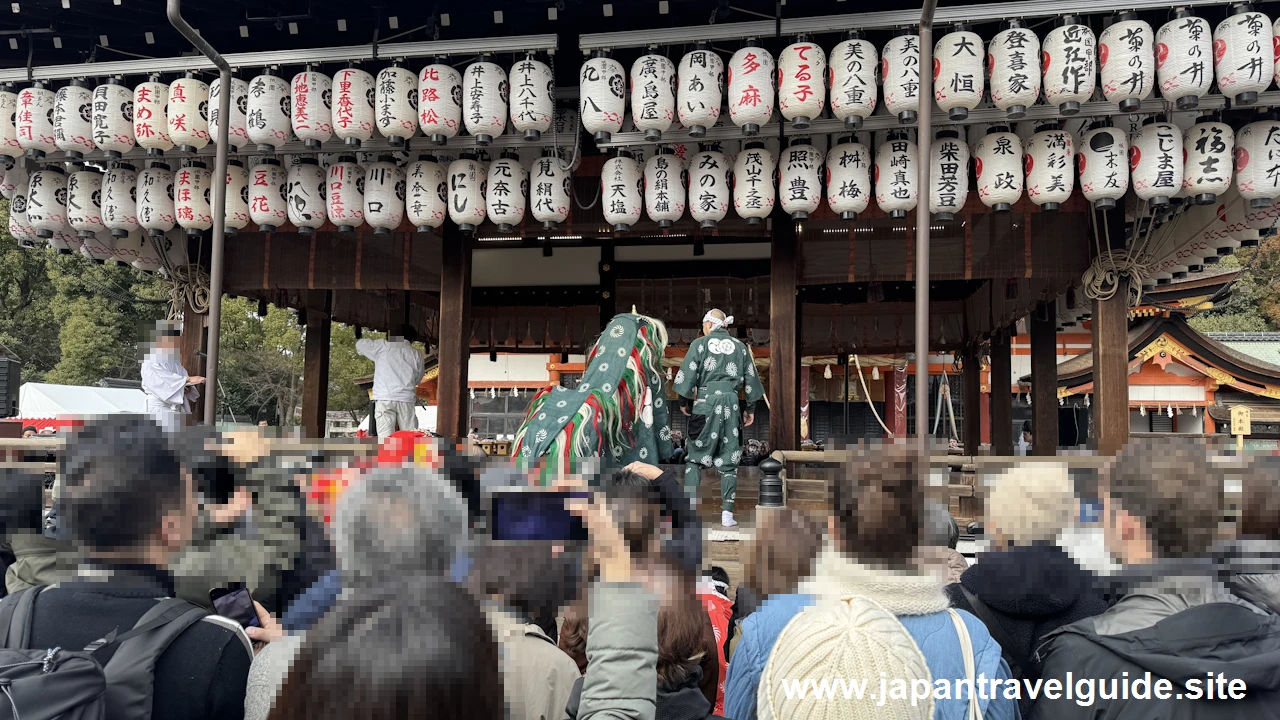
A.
pixel 120 199
pixel 664 190
pixel 1047 163
pixel 268 183
pixel 1210 150
pixel 19 227
pixel 754 194
pixel 799 178
pixel 439 102
pixel 948 174
pixel 900 70
pixel 853 79
pixel 1103 166
pixel 896 175
pixel 466 193
pixel 1258 162
pixel 192 197
pixel 1155 161
pixel 709 187
pixel 172 246
pixel 699 84
pixel 1126 60
pixel 848 178
pixel 35 121
pixel 150 116
pixel 802 74
pixel 73 119
pixel 751 93
pixel 1068 58
pixel 484 100
pixel 146 256
pixel 9 146
pixel 9 182
pixel 621 191
pixel 353 98
pixel 957 72
pixel 653 95
pixel 306 195
pixel 99 247
pixel 237 132
pixel 1243 57
pixel 550 188
pixel 189 113
pixel 268 117
pixel 311 107
pixel 66 242
pixel 397 104
pixel 236 215
pixel 531 104
pixel 507 192
pixel 384 192
pixel 426 194
pixel 1013 60
pixel 602 98
pixel 1184 59
pixel 998 161
pixel 47 201
pixel 155 199
pixel 84 203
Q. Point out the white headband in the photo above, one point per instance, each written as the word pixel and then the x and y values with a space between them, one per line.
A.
pixel 717 323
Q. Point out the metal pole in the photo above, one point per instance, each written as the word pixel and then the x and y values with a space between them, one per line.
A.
pixel 924 137
pixel 216 261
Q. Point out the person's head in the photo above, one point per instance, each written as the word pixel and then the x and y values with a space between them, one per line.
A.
pixel 1161 498
pixel 719 578
pixel 403 332
pixel 713 320
pixel 1260 499
pixel 399 522
pixel 167 335
pixel 29 431
pixel 781 552
pixel 48 431
pixel 877 506
pixel 1032 502
pixel 681 646
pixel 658 521
pixel 1026 430
pixel 397 652
pixel 124 494
pixel 531 579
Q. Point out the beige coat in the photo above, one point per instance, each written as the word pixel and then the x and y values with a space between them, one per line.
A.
pixel 537 676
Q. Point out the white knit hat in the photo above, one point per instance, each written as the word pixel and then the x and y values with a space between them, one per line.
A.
pixel 855 640
pixel 1034 501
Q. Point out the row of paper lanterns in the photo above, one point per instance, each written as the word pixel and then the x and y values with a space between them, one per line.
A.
pixel 1126 62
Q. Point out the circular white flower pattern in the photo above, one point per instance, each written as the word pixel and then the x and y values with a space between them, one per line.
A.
pixel 616 331
pixel 527 452
pixel 606 387
pixel 693 365
pixel 710 365
pixel 732 369
pixel 656 378
pixel 697 443
pixel 707 461
pixel 658 402
pixel 584 387
pixel 665 433
pixel 737 455
pixel 542 416
pixel 562 403
pixel 680 377
pixel 604 367
pixel 562 419
pixel 719 462
pixel 622 352
pixel 735 432
pixel 540 437
pixel 617 452
pixel 751 369
pixel 715 435
pixel 644 453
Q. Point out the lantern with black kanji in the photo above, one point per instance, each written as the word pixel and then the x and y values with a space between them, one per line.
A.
pixel 699 89
pixel 466 193
pixel 384 193
pixel 653 95
pixel 664 191
pixel 47 201
pixel 112 118
pixel 853 79
pixel 192 204
pixel 1184 59
pixel 1257 171
pixel 957 71
pixel 998 162
pixel 439 101
pixel 948 174
pixel 1155 161
pixel 896 174
pixel 754 194
pixel 150 116
pixel 1013 61
pixel 799 183
pixel 602 99
pixel 506 192
pixel 530 97
pixel 900 70
pixel 34 121
pixel 550 189
pixel 84 203
pixel 396 110
pixel 268 118
pixel 621 181
pixel 155 199
pixel 98 247
pixel 802 74
pixel 1102 162
pixel 1070 75
pixel 120 199
pixel 311 115
pixel 709 191
pixel 1047 163
pixel 73 119
pixel 345 201
pixel 426 193
pixel 9 146
pixel 1126 60
pixel 1243 57
pixel 751 94
pixel 353 99
pixel 306 195
pixel 484 99
pixel 848 178
pixel 236 215
pixel 1210 148
pixel 237 132
pixel 19 228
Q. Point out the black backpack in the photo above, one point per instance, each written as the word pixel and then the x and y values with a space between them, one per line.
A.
pixel 53 683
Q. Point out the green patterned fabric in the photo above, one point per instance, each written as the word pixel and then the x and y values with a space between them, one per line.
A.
pixel 618 411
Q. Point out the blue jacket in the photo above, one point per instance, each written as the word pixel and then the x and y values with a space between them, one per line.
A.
pixel 934 634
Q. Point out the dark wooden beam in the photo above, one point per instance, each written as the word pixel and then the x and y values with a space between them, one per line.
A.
pixel 608 285
pixel 784 336
pixel 315 363
pixel 973 400
pixel 1111 371
pixel 1001 397
pixel 455 333
pixel 895 401
pixel 191 348
pixel 1044 380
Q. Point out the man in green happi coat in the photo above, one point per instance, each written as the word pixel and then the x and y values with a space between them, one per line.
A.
pixel 716 367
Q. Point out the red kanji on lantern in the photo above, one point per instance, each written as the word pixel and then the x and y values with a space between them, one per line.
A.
pixel 749 64
pixel 750 96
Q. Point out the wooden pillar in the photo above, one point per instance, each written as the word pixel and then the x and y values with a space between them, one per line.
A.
pixel 191 348
pixel 1111 371
pixel 895 401
pixel 609 285
pixel 1044 380
pixel 784 336
pixel 973 402
pixel 455 333
pixel 315 363
pixel 1001 398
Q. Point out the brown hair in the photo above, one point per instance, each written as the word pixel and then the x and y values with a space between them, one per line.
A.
pixel 1173 487
pixel 878 505
pixel 573 633
pixel 681 646
pixel 782 551
pixel 1260 499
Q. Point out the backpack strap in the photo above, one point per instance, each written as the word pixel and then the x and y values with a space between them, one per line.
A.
pixel 1012 653
pixel 130 672
pixel 15 618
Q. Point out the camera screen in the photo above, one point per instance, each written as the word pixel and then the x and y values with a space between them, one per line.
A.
pixel 237 605
pixel 535 516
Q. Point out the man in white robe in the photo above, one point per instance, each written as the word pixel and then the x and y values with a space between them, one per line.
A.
pixel 168 387
pixel 397 370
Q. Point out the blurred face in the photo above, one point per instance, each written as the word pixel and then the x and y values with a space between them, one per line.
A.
pixel 28 433
pixel 706 328
pixel 178 525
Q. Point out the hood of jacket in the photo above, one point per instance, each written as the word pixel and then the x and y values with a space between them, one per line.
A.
pixel 685 702
pixel 1029 581
pixel 1250 567
pixel 899 592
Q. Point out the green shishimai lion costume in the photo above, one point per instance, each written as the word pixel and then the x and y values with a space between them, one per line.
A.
pixel 619 410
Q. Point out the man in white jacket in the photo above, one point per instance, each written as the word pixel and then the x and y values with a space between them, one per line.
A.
pixel 165 381
pixel 397 370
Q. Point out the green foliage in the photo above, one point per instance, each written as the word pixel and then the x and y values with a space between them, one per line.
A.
pixel 345 367
pixel 1254 302
pixel 260 368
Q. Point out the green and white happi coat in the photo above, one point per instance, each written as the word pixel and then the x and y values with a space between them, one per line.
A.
pixel 716 367
pixel 618 411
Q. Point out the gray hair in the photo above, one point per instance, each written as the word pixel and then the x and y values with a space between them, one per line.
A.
pixel 398 523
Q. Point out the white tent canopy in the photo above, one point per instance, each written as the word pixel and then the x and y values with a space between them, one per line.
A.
pixel 43 400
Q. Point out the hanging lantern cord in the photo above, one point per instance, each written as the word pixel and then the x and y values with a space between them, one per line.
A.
pixel 1102 279
pixel 866 394
pixel 188 285
pixel 577 147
